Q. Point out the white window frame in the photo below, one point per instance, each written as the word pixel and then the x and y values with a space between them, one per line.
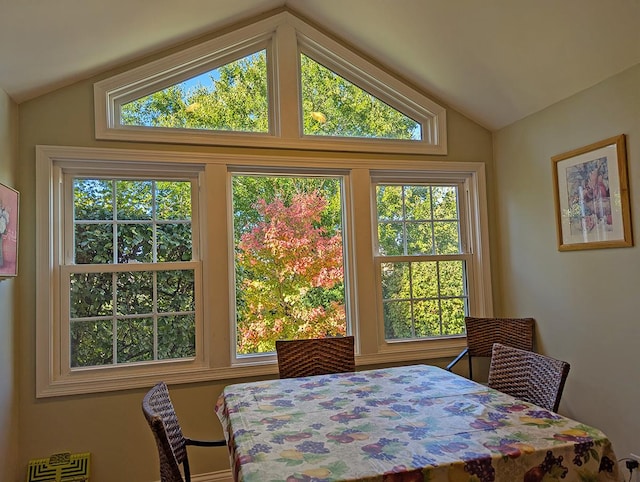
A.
pixel 475 298
pixel 216 246
pixel 284 36
pixel 58 219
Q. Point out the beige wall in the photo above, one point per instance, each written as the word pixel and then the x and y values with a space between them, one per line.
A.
pixel 111 425
pixel 8 349
pixel 585 302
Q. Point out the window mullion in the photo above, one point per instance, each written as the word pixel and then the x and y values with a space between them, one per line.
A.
pixel 154 315
pixel 114 319
pixel 285 103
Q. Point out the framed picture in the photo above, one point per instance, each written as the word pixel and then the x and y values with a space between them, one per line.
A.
pixel 9 205
pixel 592 196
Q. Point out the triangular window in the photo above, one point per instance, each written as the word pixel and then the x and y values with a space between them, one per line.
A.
pixel 232 97
pixel 277 82
pixel 333 106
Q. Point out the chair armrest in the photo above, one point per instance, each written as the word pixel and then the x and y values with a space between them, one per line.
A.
pixel 205 443
pixel 457 359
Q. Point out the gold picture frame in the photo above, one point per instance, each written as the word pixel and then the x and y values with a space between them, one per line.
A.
pixel 9 224
pixel 591 191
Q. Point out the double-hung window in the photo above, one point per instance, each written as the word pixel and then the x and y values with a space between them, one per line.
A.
pixel 421 259
pixel 129 270
pixel 126 271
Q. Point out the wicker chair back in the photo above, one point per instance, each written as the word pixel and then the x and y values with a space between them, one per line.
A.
pixel 161 417
pixel 315 356
pixel 528 376
pixel 172 444
pixel 482 333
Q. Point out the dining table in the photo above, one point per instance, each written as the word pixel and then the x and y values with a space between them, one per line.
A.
pixel 417 423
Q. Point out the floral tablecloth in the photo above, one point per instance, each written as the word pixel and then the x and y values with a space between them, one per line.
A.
pixel 414 423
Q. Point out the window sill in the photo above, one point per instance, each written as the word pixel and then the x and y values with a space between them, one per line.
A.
pixel 76 386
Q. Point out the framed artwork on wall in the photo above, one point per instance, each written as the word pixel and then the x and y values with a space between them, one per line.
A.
pixel 591 191
pixel 9 206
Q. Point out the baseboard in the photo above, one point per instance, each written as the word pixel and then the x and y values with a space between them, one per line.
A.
pixel 220 476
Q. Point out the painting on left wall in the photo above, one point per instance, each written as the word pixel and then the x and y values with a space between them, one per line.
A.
pixel 9 205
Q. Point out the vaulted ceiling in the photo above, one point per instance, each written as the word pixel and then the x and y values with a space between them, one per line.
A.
pixel 495 61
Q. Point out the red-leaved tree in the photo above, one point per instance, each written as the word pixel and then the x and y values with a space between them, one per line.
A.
pixel 290 275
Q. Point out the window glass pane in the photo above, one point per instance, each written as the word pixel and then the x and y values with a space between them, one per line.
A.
pixel 176 337
pixel 417 202
pixel 232 97
pixel 93 243
pixel 419 238
pixel 394 280
pixel 398 320
pixel 135 340
pixel 451 278
pixel 427 318
pixel 134 293
pixel 445 202
pixel 424 282
pixel 135 243
pixel 91 343
pixel 390 239
pixel 447 237
pixel 333 106
pixel 174 242
pixel 288 261
pixel 389 203
pixel 453 311
pixel 91 294
pixel 134 200
pixel 173 200
pixel 93 199
pixel 176 291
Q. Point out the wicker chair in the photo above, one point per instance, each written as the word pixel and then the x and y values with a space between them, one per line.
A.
pixel 315 356
pixel 172 444
pixel 528 376
pixel 482 333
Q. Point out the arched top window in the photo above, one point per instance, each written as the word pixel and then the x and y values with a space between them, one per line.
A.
pixel 275 83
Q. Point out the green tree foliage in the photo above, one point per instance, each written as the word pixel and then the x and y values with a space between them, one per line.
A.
pixel 234 98
pixel 422 298
pixel 333 106
pixel 122 303
pixel 231 98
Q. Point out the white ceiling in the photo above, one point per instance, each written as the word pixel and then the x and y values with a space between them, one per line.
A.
pixel 495 61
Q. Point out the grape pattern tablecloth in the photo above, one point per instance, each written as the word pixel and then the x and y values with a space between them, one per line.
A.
pixel 413 423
